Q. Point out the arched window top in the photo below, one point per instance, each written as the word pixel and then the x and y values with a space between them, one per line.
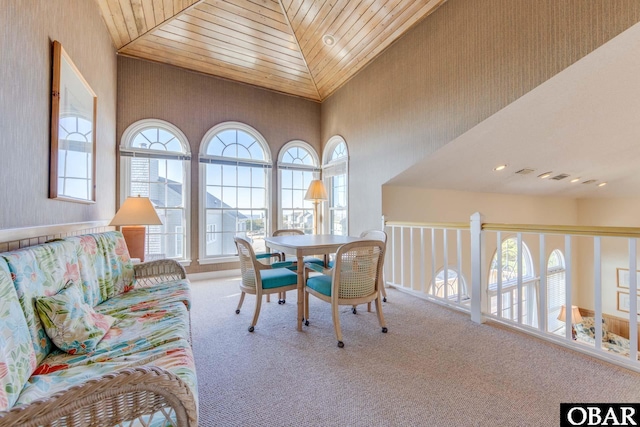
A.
pixel 455 282
pixel 509 263
pixel 235 140
pixel 154 135
pixel 556 261
pixel 298 153
pixel 336 150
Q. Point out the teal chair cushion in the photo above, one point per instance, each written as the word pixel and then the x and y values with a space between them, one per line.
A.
pixel 321 284
pixel 278 277
pixel 307 259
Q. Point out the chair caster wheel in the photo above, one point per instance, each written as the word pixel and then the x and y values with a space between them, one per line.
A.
pixel 250 328
pixel 238 311
pixel 340 344
pixel 306 323
pixel 384 299
pixel 384 330
pixel 281 301
pixel 354 311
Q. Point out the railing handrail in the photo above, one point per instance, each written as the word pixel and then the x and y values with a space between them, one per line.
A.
pixel 449 225
pixel 576 230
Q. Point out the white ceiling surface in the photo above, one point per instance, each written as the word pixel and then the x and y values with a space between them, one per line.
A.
pixel 585 122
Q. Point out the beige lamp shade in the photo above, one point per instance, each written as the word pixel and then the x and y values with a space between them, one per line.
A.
pixel 575 314
pixel 316 191
pixel 136 211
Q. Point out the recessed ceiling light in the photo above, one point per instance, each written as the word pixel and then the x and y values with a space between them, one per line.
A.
pixel 545 175
pixel 499 168
pixel 602 184
pixel 328 40
pixel 575 180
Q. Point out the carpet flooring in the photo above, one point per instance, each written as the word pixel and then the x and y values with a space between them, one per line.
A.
pixel 433 368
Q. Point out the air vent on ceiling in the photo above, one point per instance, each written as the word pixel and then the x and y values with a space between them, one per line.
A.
pixel 559 177
pixel 524 171
pixel 591 181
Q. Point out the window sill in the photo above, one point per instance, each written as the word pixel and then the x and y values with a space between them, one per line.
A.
pixel 221 260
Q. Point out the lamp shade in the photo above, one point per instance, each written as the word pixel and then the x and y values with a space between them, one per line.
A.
pixel 575 314
pixel 136 211
pixel 316 191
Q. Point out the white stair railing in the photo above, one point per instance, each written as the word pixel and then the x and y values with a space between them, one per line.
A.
pixel 447 263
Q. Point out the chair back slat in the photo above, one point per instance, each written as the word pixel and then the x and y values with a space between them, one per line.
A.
pixel 374 235
pixel 288 232
pixel 357 268
pixel 246 256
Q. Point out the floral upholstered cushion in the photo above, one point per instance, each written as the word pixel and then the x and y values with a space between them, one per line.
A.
pixel 71 323
pixel 147 336
pixel 17 356
pixel 588 328
pixel 37 271
pixel 105 266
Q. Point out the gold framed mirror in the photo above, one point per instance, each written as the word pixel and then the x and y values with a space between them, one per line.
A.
pixel 73 132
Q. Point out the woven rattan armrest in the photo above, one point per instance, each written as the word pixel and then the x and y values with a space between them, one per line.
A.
pixel 163 270
pixel 109 400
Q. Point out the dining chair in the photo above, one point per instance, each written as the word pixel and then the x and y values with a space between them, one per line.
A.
pixel 267 256
pixel 260 279
pixel 354 279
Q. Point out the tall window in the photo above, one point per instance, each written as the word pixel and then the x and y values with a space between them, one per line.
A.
pixel 235 164
pixel 154 157
pixel 297 166
pixel 508 272
pixel 336 178
pixel 555 290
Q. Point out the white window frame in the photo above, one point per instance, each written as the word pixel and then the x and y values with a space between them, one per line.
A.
pixel 127 152
pixel 328 166
pixel 314 169
pixel 464 295
pixel 205 159
pixel 561 269
pixel 509 288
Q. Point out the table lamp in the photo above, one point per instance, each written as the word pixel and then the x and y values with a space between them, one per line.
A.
pixel 575 318
pixel 133 215
pixel 316 193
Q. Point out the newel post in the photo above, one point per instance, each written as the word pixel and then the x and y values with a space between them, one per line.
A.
pixel 478 278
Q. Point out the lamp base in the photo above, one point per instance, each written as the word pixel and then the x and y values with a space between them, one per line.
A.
pixel 134 236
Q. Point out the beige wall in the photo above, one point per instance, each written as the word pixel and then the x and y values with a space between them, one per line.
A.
pixel 195 103
pixel 428 205
pixel 27 28
pixel 460 65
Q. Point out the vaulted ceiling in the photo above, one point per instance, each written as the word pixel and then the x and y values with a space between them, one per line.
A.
pixel 275 44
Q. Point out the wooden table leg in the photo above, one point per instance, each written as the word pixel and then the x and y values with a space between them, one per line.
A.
pixel 300 272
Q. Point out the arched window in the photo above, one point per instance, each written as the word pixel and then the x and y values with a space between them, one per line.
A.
pixel 556 295
pixel 507 270
pixel 235 164
pixel 298 164
pixel 154 159
pixel 449 289
pixel 335 172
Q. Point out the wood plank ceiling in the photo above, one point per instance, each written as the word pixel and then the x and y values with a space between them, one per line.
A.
pixel 278 45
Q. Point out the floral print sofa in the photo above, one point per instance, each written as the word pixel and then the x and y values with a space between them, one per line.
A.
pixel 140 371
